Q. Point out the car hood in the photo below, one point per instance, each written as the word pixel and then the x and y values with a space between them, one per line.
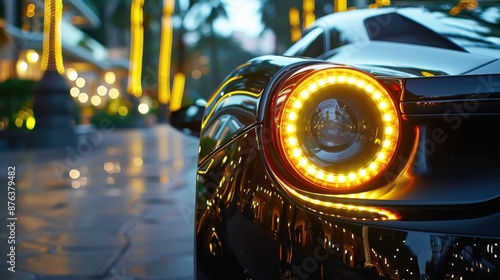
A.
pixel 409 60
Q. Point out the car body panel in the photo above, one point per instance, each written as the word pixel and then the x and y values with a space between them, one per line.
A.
pixel 266 234
pixel 493 67
pixel 409 57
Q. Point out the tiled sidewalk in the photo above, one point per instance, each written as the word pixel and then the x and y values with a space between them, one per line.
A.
pixel 119 206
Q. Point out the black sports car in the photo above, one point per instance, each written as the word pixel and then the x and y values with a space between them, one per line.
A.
pixel 369 150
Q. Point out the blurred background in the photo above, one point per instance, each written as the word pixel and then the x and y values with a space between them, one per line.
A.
pixel 133 61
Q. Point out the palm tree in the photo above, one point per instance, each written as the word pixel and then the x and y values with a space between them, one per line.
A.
pixel 206 13
pixel 275 16
pixel 115 25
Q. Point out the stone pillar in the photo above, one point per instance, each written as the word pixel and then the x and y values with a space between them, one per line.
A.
pixel 54 112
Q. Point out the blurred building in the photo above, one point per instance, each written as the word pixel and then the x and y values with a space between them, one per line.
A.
pixel 94 73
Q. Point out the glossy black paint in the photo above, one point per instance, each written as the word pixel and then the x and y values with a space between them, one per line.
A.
pixel 443 184
pixel 248 227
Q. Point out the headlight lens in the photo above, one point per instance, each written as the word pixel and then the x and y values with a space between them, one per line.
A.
pixel 337 128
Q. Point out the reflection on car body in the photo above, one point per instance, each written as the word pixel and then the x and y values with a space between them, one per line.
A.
pixel 367 151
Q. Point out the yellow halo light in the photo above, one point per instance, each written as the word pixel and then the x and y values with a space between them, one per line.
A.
pixel 389 130
pixel 311 169
pixel 313 87
pixel 297 105
pixel 352 177
pixel 341 179
pixel 289 129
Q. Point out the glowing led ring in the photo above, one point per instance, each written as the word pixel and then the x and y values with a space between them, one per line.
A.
pixel 387 139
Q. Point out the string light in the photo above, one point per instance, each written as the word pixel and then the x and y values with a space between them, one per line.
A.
pixel 52 46
pixel 136 47
pixel 165 52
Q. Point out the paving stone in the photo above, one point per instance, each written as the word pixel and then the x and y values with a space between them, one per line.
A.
pixel 90 264
pixel 17 275
pixel 71 241
pixel 165 268
pixel 131 221
pixel 29 249
pixel 150 251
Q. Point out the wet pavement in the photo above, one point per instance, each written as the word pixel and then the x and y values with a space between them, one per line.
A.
pixel 117 206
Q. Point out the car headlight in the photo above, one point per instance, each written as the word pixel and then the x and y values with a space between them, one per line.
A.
pixel 335 128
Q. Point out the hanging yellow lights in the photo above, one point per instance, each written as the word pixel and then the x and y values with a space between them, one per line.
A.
pixel 136 48
pixel 380 3
pixel 339 6
pixel 52 46
pixel 177 91
pixel 294 19
pixel 309 16
pixel 165 52
pixel 164 94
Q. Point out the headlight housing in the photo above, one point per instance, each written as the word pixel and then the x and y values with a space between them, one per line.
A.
pixel 335 128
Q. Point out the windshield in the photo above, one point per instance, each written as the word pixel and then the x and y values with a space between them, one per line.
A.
pixel 472 28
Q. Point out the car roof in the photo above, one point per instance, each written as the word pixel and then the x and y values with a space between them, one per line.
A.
pixel 428 26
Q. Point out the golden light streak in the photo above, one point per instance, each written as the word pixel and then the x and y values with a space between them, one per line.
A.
pixel 309 17
pixel 136 48
pixel 177 91
pixel 385 214
pixel 223 98
pixel 52 45
pixel 294 19
pixel 165 52
pixel 339 6
pixel 207 168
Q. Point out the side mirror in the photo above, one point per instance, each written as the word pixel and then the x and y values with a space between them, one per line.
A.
pixel 188 119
